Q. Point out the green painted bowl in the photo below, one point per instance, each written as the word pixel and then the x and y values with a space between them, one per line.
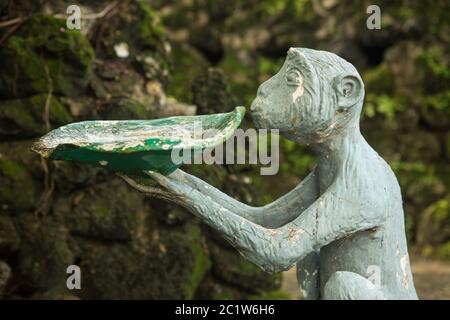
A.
pixel 131 146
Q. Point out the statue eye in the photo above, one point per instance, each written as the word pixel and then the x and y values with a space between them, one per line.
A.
pixel 293 77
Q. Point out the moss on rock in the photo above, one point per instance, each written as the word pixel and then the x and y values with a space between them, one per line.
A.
pixel 213 289
pixel 25 117
pixel 163 264
pixel 187 65
pixel 44 55
pixel 147 29
pixel 200 262
pixel 138 30
pixel 105 211
pixel 17 190
pixel 210 92
pixel 9 238
pixel 232 268
pixel 126 109
pixel 45 252
pixel 72 176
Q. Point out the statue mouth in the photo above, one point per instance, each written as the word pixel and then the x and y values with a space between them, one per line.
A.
pixel 259 120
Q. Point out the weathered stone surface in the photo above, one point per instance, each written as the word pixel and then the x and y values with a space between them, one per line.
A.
pixel 19 151
pixel 138 249
pixel 139 30
pixel 66 68
pixel 104 211
pixel 233 269
pixel 5 275
pixel 174 215
pixel 114 79
pixel 210 92
pixel 187 64
pixel 57 293
pixel 125 109
pixel 151 269
pixel 17 190
pixel 27 117
pixel 67 182
pixel 208 42
pixel 45 252
pixel 9 238
pixel 216 289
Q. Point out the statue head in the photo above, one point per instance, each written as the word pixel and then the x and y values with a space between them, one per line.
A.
pixel 315 95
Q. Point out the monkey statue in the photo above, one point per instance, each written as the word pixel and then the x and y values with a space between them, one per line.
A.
pixel 344 222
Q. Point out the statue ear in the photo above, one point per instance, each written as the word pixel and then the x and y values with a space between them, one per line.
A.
pixel 349 90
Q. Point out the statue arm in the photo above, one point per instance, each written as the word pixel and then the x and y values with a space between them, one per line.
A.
pixel 327 219
pixel 272 215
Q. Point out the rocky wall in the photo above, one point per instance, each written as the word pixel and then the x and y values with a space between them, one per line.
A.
pixel 55 214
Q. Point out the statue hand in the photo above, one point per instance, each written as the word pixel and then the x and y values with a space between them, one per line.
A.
pixel 163 191
pixel 176 187
pixel 179 188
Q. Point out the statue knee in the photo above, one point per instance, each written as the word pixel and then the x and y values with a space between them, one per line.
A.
pixel 344 285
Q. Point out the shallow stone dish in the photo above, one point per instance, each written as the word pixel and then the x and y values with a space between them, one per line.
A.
pixel 131 146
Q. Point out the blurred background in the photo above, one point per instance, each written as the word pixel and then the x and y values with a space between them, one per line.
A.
pixel 146 59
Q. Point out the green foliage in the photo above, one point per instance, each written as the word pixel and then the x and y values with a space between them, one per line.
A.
pixel 384 105
pixel 380 96
pixel 300 9
pixel 443 251
pixel 441 210
pixel 147 28
pixel 187 65
pixel 126 109
pixel 435 61
pixel 273 7
pixel 433 69
pixel 379 80
pixel 242 81
pixel 297 160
